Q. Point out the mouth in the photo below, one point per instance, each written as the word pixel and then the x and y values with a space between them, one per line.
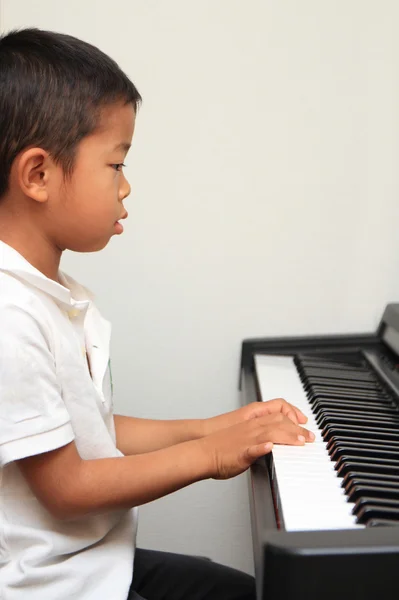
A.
pixel 118 227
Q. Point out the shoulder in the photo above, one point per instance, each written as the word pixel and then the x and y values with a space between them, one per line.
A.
pixel 21 306
pixel 15 292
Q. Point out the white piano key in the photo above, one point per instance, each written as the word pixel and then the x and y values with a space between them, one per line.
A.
pixel 310 491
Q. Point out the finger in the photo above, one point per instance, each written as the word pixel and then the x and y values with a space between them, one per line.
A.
pixel 254 452
pixel 289 439
pixel 279 405
pixel 276 404
pixel 289 410
pixel 300 416
pixel 291 414
pixel 288 433
pixel 307 434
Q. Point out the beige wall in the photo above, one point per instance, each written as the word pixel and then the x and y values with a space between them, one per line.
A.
pixel 265 202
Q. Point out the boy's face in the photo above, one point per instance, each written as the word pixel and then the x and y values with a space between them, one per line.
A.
pixel 84 209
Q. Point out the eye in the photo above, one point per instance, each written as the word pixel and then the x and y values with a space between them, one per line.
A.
pixel 118 166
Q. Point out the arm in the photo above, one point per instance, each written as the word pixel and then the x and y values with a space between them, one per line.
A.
pixel 70 487
pixel 136 436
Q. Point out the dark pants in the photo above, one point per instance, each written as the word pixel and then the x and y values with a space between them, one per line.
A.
pixel 167 576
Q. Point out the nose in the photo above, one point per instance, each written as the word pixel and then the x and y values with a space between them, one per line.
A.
pixel 125 189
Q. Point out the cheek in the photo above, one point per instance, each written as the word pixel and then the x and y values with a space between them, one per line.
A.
pixel 95 193
pixel 84 210
pixel 105 184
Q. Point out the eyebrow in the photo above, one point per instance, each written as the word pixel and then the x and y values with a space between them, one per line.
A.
pixel 122 146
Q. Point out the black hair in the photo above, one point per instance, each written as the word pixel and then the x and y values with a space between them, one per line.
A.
pixel 52 90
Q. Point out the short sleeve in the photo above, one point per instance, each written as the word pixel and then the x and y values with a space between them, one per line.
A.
pixel 33 416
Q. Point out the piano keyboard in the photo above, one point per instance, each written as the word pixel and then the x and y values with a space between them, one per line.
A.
pixel 348 478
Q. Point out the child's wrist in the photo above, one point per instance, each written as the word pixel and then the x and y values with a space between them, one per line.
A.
pixel 204 458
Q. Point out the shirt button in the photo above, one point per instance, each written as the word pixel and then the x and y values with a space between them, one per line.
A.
pixel 73 313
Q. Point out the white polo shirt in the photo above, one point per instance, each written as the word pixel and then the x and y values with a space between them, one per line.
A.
pixel 49 397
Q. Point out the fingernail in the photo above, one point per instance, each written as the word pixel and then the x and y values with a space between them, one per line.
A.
pixel 301 438
pixel 312 436
pixel 268 446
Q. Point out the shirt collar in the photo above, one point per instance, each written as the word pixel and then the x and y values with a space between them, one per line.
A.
pixel 69 293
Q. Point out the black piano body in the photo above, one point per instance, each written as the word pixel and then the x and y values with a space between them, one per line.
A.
pixel 361 564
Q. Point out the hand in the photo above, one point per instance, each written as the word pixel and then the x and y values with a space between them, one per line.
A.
pixel 232 450
pixel 254 410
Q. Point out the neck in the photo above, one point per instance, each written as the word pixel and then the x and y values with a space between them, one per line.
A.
pixel 33 245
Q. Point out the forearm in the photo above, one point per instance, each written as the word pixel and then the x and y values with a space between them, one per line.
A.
pixel 70 487
pixel 137 436
pixel 116 483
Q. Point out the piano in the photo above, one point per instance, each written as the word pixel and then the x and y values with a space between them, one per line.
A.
pixel 325 516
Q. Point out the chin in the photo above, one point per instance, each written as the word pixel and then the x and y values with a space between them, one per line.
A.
pixel 88 245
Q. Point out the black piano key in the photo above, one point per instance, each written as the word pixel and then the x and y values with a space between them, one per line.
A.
pixel 336 420
pixel 366 380
pixel 346 385
pixel 334 380
pixel 350 391
pixel 342 375
pixel 350 452
pixel 374 501
pixel 366 416
pixel 359 492
pixel 370 420
pixel 369 403
pixel 304 363
pixel 302 360
pixel 335 371
pixel 372 424
pixel 369 481
pixel 376 477
pixel 366 465
pixel 372 512
pixel 382 523
pixel 360 395
pixel 348 405
pixel 363 441
pixel 375 463
pixel 361 444
pixel 360 432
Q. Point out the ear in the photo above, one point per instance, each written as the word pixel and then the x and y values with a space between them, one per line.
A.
pixel 33 171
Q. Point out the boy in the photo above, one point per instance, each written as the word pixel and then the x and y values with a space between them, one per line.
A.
pixel 72 472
